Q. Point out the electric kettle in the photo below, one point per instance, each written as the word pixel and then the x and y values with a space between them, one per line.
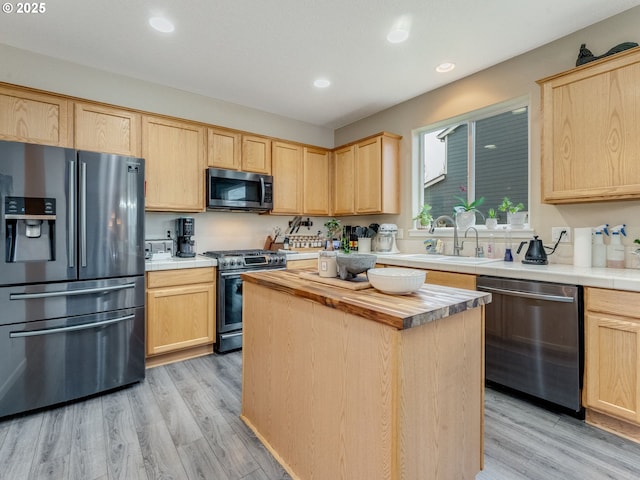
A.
pixel 535 253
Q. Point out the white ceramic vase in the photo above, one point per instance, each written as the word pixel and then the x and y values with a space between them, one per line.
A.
pixel 491 223
pixel 517 219
pixel 465 220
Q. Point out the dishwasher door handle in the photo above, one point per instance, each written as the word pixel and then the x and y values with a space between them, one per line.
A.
pixel 533 296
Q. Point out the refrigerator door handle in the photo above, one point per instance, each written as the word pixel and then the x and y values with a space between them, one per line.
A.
pixel 71 216
pixel 84 326
pixel 68 293
pixel 83 214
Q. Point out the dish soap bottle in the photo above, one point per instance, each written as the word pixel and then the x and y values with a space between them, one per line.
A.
pixel 598 248
pixel 615 249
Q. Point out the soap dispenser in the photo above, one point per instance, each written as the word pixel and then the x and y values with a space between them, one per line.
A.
pixel 615 249
pixel 598 248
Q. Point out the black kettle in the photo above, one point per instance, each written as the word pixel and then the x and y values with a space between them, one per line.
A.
pixel 535 253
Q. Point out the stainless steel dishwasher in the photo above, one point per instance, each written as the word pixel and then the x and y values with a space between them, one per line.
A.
pixel 535 338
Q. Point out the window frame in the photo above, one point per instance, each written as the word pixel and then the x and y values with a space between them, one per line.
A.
pixel 417 165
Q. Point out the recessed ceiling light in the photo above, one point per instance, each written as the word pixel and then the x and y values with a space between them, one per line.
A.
pixel 400 30
pixel 321 83
pixel 519 110
pixel 491 146
pixel 161 24
pixel 445 67
pixel 397 35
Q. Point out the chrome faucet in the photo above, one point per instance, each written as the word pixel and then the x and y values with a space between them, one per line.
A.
pixel 479 249
pixel 456 247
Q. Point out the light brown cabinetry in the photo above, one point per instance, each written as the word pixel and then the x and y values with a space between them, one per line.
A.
pixel 106 129
pixel 343 175
pixel 224 148
pixel 590 141
pixel 612 360
pixel 32 117
pixel 316 188
pixel 287 178
pixel 376 176
pixel 180 310
pixel 256 154
pixel 174 152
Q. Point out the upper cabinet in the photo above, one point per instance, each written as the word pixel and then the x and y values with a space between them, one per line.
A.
pixel 343 166
pixel 316 188
pixel 224 148
pixel 376 176
pixel 106 129
pixel 174 152
pixel 28 116
pixel 590 141
pixel 287 178
pixel 256 154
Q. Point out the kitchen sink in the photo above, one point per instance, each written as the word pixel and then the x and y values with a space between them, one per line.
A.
pixel 454 259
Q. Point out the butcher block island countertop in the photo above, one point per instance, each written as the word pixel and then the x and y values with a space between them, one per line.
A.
pixel 344 384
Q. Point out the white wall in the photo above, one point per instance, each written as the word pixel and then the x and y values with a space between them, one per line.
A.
pixel 510 79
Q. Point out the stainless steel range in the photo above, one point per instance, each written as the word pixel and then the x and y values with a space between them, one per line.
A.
pixel 231 265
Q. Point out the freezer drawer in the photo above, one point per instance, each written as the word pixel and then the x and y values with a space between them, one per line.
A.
pixel 27 303
pixel 48 362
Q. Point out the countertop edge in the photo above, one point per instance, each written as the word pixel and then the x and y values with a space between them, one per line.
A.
pixel 436 301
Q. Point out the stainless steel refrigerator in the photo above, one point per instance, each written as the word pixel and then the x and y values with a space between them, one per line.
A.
pixel 71 274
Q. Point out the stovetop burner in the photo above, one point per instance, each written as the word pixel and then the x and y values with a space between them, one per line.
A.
pixel 248 259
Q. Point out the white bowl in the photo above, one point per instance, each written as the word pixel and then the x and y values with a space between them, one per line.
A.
pixel 399 281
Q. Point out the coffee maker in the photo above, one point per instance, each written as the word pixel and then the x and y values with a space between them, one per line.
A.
pixel 185 229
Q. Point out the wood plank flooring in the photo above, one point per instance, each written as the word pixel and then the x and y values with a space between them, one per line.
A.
pixel 182 423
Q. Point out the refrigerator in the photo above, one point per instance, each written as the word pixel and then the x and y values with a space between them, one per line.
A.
pixel 71 274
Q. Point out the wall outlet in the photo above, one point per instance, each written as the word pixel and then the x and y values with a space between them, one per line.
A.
pixel 400 234
pixel 555 234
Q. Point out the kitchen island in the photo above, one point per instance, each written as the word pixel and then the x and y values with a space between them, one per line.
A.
pixel 344 384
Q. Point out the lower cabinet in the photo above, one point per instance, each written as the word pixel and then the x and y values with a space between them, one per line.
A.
pixel 612 361
pixel 180 314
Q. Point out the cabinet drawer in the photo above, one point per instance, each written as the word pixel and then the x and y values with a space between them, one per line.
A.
pixel 613 302
pixel 183 276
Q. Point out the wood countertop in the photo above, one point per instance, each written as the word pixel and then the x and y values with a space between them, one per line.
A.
pixel 429 303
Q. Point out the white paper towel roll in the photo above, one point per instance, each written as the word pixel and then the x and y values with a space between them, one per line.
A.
pixel 582 247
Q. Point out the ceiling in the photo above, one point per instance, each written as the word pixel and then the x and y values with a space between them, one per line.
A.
pixel 265 54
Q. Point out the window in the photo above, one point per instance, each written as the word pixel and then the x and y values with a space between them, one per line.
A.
pixel 482 154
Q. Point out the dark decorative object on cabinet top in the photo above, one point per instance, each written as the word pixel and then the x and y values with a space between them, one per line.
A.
pixel 585 55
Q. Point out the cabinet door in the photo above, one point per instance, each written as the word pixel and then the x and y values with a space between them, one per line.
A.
pixel 315 191
pixel 287 178
pixel 224 148
pixel 368 186
pixel 256 154
pixel 32 117
pixel 174 154
pixel 343 175
pixel 180 317
pixel 106 129
pixel 591 117
pixel 612 365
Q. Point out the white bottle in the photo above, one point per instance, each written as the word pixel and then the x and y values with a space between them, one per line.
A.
pixel 615 249
pixel 598 250
pixel 491 247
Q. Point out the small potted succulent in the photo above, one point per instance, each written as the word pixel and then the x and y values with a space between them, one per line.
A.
pixel 424 217
pixel 465 212
pixel 492 219
pixel 333 229
pixel 515 217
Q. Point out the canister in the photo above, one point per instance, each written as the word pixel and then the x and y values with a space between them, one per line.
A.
pixel 327 265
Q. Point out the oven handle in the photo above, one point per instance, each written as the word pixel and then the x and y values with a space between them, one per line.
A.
pixel 67 293
pixel 84 326
pixel 533 296
pixel 238 273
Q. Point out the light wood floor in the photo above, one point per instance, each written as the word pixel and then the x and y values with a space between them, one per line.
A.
pixel 182 423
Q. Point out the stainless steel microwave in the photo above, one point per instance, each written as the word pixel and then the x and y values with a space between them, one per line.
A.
pixel 233 190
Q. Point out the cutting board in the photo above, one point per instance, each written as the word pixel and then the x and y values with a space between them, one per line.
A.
pixel 358 283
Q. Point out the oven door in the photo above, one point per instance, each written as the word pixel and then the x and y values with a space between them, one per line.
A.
pixel 229 310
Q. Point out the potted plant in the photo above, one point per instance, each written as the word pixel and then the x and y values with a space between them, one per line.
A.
pixel 492 219
pixel 465 212
pixel 333 228
pixel 515 217
pixel 424 217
